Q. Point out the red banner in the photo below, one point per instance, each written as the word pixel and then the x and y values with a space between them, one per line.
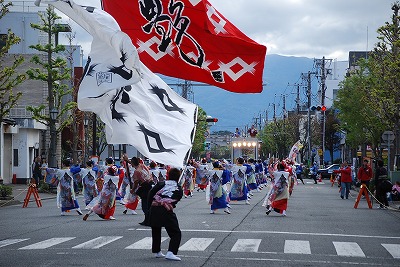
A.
pixel 189 39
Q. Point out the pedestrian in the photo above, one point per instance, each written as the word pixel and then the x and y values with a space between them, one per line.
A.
pixel 218 197
pixel 104 204
pixel 380 192
pixel 252 131
pixel 43 168
pixel 142 184
pixel 314 171
pixel 201 175
pixel 239 190
pixel 251 176
pixel 163 172
pixel 277 198
pixel 126 179
pixel 364 174
pixel 299 172
pixel 37 170
pixel 162 200
pixel 89 187
pixel 132 200
pixel 188 177
pixel 237 133
pixel 345 180
pixel 66 199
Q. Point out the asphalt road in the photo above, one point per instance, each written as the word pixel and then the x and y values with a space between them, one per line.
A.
pixel 320 229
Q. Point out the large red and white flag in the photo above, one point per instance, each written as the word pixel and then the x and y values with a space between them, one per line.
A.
pixel 191 40
pixel 137 106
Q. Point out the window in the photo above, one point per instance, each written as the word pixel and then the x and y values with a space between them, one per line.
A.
pixel 15 159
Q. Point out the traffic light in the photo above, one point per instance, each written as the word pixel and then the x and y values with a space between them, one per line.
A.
pixel 318 108
pixel 211 120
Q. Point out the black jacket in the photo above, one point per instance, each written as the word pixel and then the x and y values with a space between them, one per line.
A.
pixel 159 216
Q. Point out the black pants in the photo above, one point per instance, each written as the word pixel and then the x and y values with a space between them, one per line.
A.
pixel 314 177
pixel 174 234
pixel 381 195
pixel 299 177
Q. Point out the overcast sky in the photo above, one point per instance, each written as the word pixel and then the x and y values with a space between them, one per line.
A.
pixel 304 28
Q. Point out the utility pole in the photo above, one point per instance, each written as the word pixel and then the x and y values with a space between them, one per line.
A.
pixel 298 100
pixel 284 107
pixel 274 112
pixel 322 64
pixel 307 78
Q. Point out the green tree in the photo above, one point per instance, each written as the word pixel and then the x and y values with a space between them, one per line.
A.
pixel 199 139
pixel 53 71
pixel 332 132
pixel 359 118
pixel 9 77
pixel 384 66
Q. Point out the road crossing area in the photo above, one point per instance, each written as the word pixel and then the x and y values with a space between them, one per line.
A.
pixel 247 245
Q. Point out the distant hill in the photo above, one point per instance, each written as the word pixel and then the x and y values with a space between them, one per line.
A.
pixel 237 110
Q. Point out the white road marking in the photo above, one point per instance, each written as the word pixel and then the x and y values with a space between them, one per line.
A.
pixel 350 249
pixel 246 245
pixel 144 243
pixel 98 242
pixel 273 232
pixel 297 247
pixel 393 249
pixel 48 243
pixel 7 242
pixel 196 244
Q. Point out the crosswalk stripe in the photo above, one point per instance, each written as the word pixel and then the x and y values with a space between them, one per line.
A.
pixel 246 245
pixel 351 249
pixel 393 249
pixel 144 243
pixel 7 242
pixel 98 242
pixel 297 247
pixel 196 244
pixel 48 243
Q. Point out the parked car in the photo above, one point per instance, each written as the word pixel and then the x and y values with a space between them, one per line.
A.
pixel 326 173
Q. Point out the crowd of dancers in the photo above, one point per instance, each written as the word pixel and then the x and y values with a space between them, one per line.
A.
pixel 158 188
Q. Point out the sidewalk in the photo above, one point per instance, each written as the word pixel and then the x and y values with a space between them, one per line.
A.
pixel 19 192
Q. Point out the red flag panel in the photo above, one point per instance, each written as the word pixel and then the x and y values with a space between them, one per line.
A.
pixel 189 39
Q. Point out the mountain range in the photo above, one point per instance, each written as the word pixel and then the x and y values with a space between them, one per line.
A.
pixel 238 110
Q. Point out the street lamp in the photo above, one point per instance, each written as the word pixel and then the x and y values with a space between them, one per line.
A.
pixel 53 137
pixel 53 114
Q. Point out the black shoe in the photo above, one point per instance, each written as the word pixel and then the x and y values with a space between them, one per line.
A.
pixel 342 197
pixel 124 212
pixel 144 223
pixel 268 212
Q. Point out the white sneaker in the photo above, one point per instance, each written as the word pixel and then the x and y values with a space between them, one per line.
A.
pixel 171 256
pixel 251 194
pixel 226 210
pixel 134 212
pixel 122 202
pixel 212 212
pixel 247 202
pixel 284 213
pixel 78 210
pixel 112 218
pixel 63 213
pixel 228 206
pixel 159 255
